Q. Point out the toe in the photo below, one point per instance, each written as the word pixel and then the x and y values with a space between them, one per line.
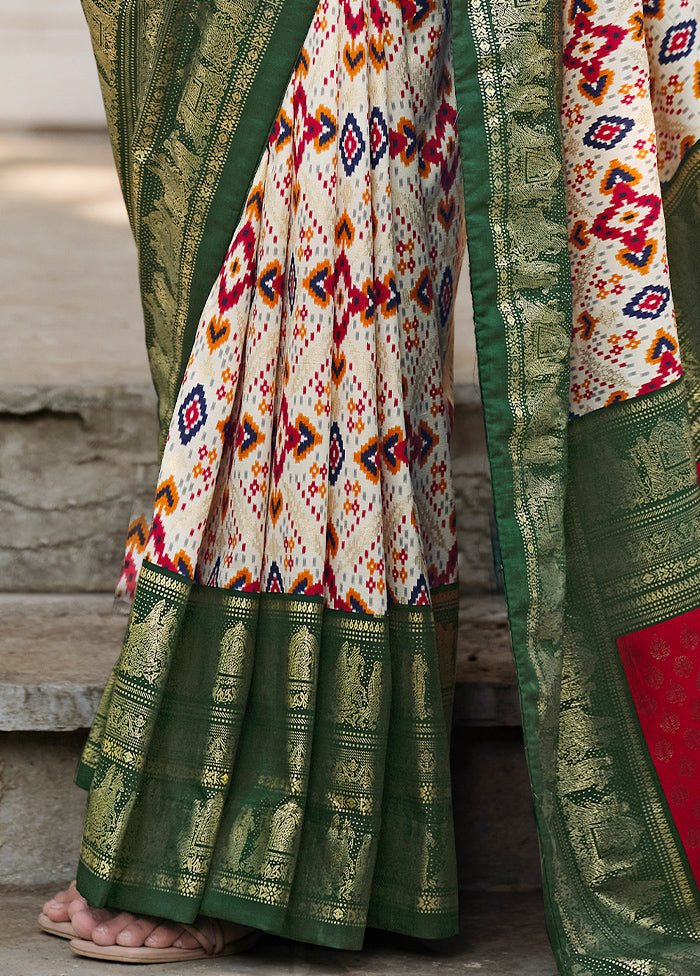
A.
pixel 78 904
pixel 85 922
pixel 107 932
pixel 137 932
pixel 57 907
pixel 56 911
pixel 169 934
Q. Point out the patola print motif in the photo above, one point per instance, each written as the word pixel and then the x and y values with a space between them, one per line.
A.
pixel 309 447
pixel 631 110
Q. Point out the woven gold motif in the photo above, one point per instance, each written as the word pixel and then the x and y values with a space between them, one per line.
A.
pixel 251 768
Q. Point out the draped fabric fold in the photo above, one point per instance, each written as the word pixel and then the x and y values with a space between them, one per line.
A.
pixel 273 746
pixel 597 517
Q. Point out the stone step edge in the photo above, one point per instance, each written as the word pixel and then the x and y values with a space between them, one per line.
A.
pixel 22 399
pixel 57 650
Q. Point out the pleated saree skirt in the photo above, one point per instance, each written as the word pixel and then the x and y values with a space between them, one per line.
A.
pixel 272 747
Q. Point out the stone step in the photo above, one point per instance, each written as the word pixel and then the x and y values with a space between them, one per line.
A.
pixel 57 651
pixel 501 934
pixel 76 462
pixel 73 463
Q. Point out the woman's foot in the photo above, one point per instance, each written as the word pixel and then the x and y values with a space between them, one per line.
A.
pixel 105 927
pixel 70 907
pixel 64 905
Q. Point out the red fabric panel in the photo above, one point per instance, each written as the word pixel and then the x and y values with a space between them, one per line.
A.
pixel 662 665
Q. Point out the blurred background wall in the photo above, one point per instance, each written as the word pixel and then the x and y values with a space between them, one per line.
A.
pixel 47 75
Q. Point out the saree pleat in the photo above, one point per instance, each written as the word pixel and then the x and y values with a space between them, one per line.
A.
pixel 274 738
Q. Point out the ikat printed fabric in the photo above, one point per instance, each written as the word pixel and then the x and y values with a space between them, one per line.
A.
pixel 631 109
pixel 309 447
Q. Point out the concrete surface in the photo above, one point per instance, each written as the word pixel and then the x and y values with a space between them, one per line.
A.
pixel 74 465
pixel 501 935
pixel 71 311
pixel 472 485
pixel 41 810
pixel 47 71
pixel 56 653
pixel 495 833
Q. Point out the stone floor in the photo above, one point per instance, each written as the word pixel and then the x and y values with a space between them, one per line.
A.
pixel 502 935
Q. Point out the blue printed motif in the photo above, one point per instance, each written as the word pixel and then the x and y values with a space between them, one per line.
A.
pixel 648 303
pixel 607 131
pixel 192 414
pixel 678 42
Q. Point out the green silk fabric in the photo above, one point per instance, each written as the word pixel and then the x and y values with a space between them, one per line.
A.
pixel 263 759
pixel 190 91
pixel 598 519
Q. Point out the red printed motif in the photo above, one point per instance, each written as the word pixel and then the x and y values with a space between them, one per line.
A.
pixel 630 110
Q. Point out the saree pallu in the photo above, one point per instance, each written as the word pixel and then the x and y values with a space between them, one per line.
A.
pixel 581 244
pixel 272 745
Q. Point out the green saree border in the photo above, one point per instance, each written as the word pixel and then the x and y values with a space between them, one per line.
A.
pixel 203 796
pixel 619 898
pixel 633 535
pixel 520 281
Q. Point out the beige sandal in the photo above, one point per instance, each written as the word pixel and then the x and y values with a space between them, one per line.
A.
pixel 148 954
pixel 64 930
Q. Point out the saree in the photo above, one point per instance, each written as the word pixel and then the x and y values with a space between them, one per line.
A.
pixel 274 738
pixel 272 746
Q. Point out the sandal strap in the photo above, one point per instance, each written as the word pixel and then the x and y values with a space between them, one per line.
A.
pixel 218 935
pixel 211 948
